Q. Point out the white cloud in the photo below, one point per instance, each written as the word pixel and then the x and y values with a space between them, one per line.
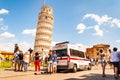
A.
pixel 100 20
pixel 4 11
pixel 118 41
pixel 115 22
pixel 53 43
pixel 24 46
pixel 4 28
pixel 97 18
pixel 7 35
pixel 107 31
pixel 90 27
pixel 29 31
pixel 81 46
pixel 99 32
pixel 6 46
pixel 103 19
pixel 1 20
pixel 81 27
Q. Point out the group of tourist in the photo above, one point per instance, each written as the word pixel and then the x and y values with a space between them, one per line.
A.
pixel 114 59
pixel 50 59
pixel 21 60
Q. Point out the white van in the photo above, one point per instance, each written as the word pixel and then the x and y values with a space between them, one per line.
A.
pixel 71 57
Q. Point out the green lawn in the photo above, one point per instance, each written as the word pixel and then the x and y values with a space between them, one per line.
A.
pixel 8 64
pixel 5 64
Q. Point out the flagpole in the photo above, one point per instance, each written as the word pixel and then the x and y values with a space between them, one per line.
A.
pixel 43 2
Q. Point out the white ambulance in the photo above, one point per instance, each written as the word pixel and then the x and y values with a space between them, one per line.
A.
pixel 71 57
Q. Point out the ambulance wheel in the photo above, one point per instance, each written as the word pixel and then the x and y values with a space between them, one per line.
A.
pixel 75 68
pixel 35 73
pixel 58 70
pixel 89 67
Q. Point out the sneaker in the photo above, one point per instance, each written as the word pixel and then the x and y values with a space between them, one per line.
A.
pixel 15 70
pixel 21 70
pixel 35 73
pixel 25 70
pixel 103 75
pixel 116 77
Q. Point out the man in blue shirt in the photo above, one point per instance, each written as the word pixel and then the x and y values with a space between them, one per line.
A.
pixel 54 62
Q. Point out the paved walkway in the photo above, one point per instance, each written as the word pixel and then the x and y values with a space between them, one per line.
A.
pixel 4 73
pixel 94 74
pixel 8 72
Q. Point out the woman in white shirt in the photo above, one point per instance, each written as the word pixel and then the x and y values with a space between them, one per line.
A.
pixel 26 59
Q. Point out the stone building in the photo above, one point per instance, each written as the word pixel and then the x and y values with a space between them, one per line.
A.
pixel 45 23
pixel 6 55
pixel 94 51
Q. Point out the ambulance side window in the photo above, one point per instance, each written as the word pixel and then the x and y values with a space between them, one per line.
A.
pixel 76 53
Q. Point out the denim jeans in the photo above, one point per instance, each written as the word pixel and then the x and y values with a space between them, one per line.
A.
pixel 25 66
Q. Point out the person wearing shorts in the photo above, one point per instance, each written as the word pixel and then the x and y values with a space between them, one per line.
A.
pixel 16 61
pixel 115 60
pixel 103 62
pixel 54 62
pixel 21 62
pixel 50 57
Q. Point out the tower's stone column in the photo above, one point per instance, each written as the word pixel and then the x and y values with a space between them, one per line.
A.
pixel 44 29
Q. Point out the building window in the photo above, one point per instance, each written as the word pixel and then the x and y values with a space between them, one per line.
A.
pixel 97 49
pixel 46 17
pixel 97 53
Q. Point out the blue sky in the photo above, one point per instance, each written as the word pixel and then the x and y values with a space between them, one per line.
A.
pixel 81 22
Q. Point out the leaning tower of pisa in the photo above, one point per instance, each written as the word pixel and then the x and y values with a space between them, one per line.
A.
pixel 44 29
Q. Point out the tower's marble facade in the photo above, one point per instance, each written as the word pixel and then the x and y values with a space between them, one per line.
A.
pixel 43 37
